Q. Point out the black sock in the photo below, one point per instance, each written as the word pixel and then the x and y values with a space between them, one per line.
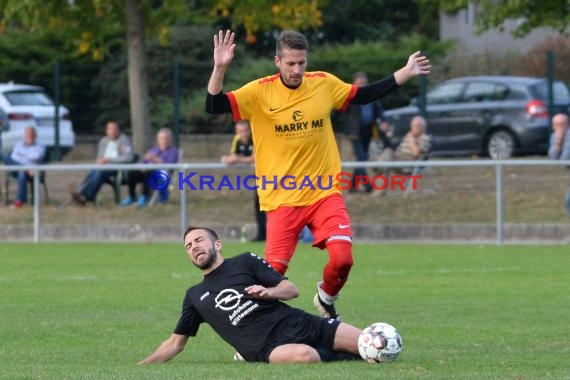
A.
pixel 327 355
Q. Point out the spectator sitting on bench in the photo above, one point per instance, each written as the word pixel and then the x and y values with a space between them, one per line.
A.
pixel 415 145
pixel 162 153
pixel 114 148
pixel 242 153
pixel 26 152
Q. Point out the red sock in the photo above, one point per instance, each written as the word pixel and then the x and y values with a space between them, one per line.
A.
pixel 336 271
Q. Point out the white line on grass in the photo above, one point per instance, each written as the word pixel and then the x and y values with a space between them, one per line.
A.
pixel 448 270
pixel 77 278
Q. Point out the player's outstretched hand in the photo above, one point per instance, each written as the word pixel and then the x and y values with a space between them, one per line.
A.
pixel 258 291
pixel 418 64
pixel 224 48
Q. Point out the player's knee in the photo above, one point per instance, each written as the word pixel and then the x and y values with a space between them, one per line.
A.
pixel 344 262
pixel 340 256
pixel 306 354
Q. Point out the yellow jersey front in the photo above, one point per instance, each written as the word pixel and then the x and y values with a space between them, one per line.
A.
pixel 296 157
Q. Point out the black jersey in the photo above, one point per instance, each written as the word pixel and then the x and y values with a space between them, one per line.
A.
pixel 244 322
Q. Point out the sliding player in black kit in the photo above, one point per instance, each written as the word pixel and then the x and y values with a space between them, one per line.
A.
pixel 241 298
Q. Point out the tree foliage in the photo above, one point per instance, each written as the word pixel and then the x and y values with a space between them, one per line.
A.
pixel 262 15
pixel 181 30
pixel 377 20
pixel 532 14
pixel 87 25
pixel 92 26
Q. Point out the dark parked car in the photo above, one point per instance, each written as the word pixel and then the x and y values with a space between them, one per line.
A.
pixel 499 116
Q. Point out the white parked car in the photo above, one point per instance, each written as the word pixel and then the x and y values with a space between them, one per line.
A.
pixel 22 106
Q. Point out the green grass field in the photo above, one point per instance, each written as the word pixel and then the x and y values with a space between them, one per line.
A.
pixel 91 311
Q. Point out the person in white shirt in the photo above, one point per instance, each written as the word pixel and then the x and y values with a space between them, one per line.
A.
pixel 114 148
pixel 26 152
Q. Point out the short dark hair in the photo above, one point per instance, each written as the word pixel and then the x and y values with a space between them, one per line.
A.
pixel 210 231
pixel 290 39
pixel 243 121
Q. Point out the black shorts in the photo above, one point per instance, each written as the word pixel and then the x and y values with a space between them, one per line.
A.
pixel 303 328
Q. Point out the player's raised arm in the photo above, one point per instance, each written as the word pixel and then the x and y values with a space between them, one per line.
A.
pixel 216 101
pixel 167 350
pixel 417 64
pixel 223 54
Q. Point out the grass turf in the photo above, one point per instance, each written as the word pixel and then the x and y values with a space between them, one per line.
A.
pixel 91 311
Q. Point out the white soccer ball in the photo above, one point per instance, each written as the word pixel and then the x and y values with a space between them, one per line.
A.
pixel 379 342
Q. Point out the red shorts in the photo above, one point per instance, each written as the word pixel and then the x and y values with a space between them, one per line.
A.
pixel 325 218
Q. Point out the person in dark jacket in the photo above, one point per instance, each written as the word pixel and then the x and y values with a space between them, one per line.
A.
pixel 362 119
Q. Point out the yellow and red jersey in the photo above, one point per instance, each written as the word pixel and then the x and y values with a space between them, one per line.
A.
pixel 293 137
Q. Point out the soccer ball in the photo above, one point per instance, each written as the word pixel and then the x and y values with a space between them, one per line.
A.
pixel 379 342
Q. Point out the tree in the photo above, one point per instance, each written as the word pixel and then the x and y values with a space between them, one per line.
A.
pixel 532 14
pixel 89 23
pixel 138 76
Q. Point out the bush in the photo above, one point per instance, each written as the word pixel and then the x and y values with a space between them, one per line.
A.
pixel 534 62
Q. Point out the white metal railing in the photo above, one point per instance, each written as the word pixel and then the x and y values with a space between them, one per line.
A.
pixel 184 167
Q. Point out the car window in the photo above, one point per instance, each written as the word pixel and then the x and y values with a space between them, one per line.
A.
pixel 28 98
pixel 445 93
pixel 485 91
pixel 560 92
pixel 517 94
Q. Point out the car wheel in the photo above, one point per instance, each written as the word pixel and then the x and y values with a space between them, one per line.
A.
pixel 501 145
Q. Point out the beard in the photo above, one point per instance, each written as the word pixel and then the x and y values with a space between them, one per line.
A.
pixel 210 259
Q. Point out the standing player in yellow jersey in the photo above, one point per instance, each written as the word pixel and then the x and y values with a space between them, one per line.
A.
pixel 294 144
